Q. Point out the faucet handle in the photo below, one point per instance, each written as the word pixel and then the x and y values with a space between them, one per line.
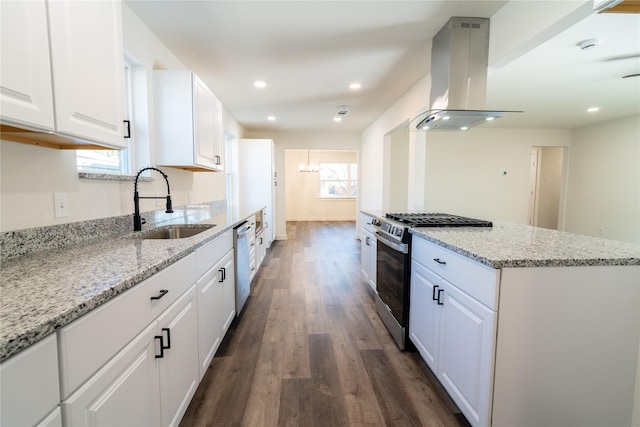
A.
pixel 143 221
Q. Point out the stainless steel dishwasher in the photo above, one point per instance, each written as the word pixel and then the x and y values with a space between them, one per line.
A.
pixel 242 264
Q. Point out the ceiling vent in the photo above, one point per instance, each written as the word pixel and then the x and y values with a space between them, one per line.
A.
pixel 343 110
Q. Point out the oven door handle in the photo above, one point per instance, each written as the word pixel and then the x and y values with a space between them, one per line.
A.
pixel 398 247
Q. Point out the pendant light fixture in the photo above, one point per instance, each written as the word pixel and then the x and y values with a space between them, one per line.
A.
pixel 308 167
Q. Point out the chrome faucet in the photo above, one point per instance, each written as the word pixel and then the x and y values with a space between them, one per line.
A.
pixel 137 220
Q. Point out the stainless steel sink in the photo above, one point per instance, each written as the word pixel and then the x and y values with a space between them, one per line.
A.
pixel 175 231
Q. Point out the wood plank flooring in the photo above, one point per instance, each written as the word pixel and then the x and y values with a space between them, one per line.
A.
pixel 309 349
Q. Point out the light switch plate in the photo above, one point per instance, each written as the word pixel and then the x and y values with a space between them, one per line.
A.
pixel 61 205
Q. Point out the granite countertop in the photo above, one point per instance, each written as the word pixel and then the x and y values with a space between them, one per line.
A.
pixel 46 290
pixel 513 245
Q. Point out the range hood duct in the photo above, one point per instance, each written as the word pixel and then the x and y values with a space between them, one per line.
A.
pixel 459 61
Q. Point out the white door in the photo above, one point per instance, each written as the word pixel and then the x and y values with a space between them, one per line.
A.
pixel 466 353
pixel 179 375
pixel 533 186
pixel 124 392
pixel 26 97
pixel 88 70
pixel 424 314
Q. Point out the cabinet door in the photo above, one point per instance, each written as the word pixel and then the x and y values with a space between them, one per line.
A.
pixel 25 71
pixel 465 365
pixel 29 387
pixel 209 315
pixel 424 314
pixel 124 392
pixel 228 292
pixel 203 121
pixel 368 249
pixel 88 70
pixel 218 135
pixel 179 375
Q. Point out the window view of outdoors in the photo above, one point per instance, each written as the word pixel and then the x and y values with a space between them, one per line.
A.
pixel 338 179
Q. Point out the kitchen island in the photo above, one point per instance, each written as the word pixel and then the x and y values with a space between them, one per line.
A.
pixel 527 326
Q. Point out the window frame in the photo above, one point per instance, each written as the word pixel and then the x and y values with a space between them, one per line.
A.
pixel 351 180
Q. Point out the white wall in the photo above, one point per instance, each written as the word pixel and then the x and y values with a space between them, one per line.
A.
pixel 31 174
pixel 372 154
pixel 302 189
pixel 604 180
pixel 465 171
pixel 302 140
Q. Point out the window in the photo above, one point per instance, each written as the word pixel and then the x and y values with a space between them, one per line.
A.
pixel 110 161
pixel 338 179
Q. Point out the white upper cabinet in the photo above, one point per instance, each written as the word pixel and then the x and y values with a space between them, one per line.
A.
pixel 26 97
pixel 188 117
pixel 88 69
pixel 76 72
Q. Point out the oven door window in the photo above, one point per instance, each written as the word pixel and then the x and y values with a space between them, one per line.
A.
pixel 391 267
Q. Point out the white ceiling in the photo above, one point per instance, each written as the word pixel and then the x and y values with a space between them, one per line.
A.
pixel 308 52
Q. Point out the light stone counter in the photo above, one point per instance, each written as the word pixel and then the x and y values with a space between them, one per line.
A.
pixel 514 245
pixel 45 290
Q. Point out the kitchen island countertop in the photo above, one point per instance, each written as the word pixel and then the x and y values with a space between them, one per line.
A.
pixel 43 291
pixel 513 245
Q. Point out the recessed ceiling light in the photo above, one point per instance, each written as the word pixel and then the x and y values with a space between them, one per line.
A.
pixel 355 85
pixel 593 109
pixel 464 128
pixel 490 118
pixel 259 84
pixel 271 118
pixel 337 119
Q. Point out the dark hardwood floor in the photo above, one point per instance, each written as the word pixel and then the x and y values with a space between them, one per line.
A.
pixel 309 349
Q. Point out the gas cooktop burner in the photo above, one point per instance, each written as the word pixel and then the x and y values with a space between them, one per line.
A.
pixel 437 220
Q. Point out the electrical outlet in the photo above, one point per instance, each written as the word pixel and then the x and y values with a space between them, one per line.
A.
pixel 601 231
pixel 61 205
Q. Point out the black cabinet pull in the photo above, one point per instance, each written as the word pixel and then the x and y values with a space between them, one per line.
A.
pixel 168 331
pixel 435 290
pixel 224 273
pixel 440 292
pixel 439 261
pixel 221 271
pixel 161 355
pixel 127 126
pixel 162 293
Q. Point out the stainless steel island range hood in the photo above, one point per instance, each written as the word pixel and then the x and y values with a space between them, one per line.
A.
pixel 459 61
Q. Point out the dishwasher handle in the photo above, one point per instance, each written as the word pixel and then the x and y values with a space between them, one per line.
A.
pixel 243 230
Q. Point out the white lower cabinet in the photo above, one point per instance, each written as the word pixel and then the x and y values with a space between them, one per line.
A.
pixel 150 382
pixel 368 249
pixel 261 248
pixel 178 364
pixel 126 391
pixel 453 331
pixel 216 308
pixel 29 389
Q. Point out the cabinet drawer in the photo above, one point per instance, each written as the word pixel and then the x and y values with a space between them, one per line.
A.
pixel 212 252
pixel 89 342
pixel 477 280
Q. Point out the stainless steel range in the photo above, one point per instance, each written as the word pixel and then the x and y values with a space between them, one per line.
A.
pixel 393 263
